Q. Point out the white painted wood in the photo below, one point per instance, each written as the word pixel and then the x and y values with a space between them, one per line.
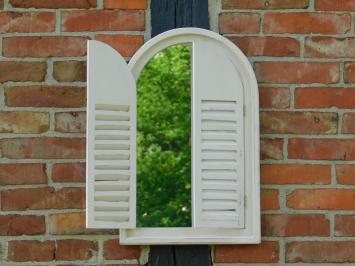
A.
pixel 217 110
pixel 111 140
pixel 250 232
pixel 186 236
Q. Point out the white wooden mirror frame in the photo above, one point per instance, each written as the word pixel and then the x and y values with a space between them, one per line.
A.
pixel 251 231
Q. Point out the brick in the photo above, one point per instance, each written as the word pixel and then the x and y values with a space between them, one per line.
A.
pixel 67 223
pixel 17 122
pixel 268 46
pixel 327 47
pixel 31 250
pixel 27 22
pixel 45 96
pixel 239 23
pixel 73 224
pixel 321 149
pixel 271 149
pixel 44 46
pixel 126 45
pixel 22 173
pixel 320 252
pixel 114 251
pixel 279 98
pixel 348 125
pixel 269 199
pixel 54 4
pixel 22 71
pixel 344 225
pixel 125 4
pixel 266 252
pixel 325 97
pixel 349 75
pixel 264 4
pixel 103 20
pixel 74 122
pixel 298 123
pixel 16 225
pixel 345 174
pixel 297 72
pixel 291 225
pixel 69 71
pixel 283 174
pixel 331 5
pixel 321 199
pixel 75 249
pixel 68 172
pixel 307 23
pixel 43 148
pixel 42 198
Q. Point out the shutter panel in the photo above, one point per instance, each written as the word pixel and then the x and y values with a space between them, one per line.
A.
pixel 111 140
pixel 218 138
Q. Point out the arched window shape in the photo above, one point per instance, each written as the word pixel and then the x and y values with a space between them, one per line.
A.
pixel 225 142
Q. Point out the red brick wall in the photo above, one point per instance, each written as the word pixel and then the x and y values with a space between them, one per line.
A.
pixel 303 52
pixel 42 126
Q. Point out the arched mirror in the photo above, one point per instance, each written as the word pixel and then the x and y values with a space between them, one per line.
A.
pixel 164 139
pixel 173 141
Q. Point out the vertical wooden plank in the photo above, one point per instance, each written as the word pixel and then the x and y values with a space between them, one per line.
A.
pixel 183 13
pixel 200 15
pixel 171 14
pixel 166 15
pixel 193 256
pixel 163 14
pixel 180 256
pixel 161 256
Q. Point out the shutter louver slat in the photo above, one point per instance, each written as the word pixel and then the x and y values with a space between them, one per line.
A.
pixel 111 140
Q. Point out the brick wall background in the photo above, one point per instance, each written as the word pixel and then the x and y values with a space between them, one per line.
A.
pixel 303 52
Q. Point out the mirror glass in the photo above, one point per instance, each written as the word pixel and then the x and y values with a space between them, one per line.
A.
pixel 164 139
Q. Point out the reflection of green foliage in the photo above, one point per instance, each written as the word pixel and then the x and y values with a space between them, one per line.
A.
pixel 164 149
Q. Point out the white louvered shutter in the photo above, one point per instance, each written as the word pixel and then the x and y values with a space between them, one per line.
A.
pixel 111 140
pixel 218 138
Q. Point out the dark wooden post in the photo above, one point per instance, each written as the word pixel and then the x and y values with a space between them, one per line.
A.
pixel 171 14
pixel 180 256
pixel 167 15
